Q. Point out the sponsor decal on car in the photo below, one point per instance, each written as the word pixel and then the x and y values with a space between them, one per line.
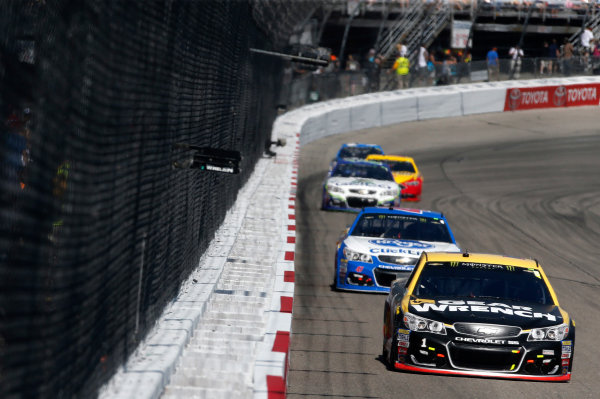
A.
pixel 343 181
pixel 403 337
pixel 395 251
pixel 481 306
pixel 486 341
pixel 396 267
pixel 400 243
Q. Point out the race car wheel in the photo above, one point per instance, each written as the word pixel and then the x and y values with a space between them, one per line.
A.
pixel 335 275
pixel 393 355
pixel 389 332
pixel 384 352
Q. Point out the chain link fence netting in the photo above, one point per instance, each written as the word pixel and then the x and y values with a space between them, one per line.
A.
pixel 98 229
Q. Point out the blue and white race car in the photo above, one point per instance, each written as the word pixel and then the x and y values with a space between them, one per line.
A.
pixel 353 185
pixel 355 152
pixel 384 244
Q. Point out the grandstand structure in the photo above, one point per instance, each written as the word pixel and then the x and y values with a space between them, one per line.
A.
pixel 363 24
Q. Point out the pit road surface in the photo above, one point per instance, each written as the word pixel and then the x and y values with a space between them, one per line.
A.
pixel 523 184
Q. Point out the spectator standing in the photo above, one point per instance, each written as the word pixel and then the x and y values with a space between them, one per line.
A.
pixel 567 57
pixel 422 65
pixel 493 64
pixel 516 54
pixel 402 69
pixel 553 56
pixel 595 53
pixel 353 68
pixel 545 62
pixel 431 69
pixel 587 38
pixel 464 66
pixel 372 70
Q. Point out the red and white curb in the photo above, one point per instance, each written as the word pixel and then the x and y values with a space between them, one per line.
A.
pixel 272 360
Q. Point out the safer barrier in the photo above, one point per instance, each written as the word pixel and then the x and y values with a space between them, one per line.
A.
pixel 379 109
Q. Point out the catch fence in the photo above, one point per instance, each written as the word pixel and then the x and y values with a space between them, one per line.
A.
pixel 97 228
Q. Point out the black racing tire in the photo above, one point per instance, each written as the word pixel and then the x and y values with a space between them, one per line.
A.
pixel 334 286
pixel 393 349
pixel 389 324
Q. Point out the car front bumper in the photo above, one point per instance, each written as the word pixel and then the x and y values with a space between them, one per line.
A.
pixel 517 358
pixel 356 202
pixel 370 277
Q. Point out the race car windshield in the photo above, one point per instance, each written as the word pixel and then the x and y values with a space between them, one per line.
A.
pixel 404 227
pixel 370 171
pixel 482 280
pixel 358 152
pixel 400 166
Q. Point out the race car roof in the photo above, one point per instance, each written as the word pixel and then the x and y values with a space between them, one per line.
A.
pixel 481 258
pixel 378 157
pixel 360 145
pixel 403 211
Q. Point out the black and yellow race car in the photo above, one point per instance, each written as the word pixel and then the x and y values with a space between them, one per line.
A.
pixel 478 315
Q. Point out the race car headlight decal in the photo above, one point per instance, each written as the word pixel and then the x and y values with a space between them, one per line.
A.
pixel 554 333
pixel 390 193
pixel 417 323
pixel 412 183
pixel 335 189
pixel 357 256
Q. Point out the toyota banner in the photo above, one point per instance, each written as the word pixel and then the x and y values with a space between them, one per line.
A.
pixel 551 96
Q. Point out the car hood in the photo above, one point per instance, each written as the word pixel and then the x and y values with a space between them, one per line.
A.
pixel 401 177
pixel 348 182
pixel 387 246
pixel 489 311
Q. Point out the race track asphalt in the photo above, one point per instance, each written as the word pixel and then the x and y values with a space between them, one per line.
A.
pixel 523 184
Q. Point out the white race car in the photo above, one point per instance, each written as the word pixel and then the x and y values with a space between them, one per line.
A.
pixel 353 185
